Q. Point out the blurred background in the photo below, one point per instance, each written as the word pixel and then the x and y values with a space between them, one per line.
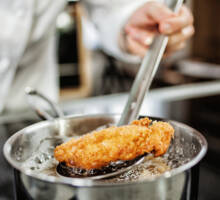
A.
pixel 186 87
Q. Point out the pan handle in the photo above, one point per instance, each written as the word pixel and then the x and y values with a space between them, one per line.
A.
pixel 41 112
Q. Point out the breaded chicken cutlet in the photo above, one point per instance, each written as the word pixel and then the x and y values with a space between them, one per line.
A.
pixel 98 148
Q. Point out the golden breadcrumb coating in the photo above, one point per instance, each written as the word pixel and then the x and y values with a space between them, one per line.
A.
pixel 97 149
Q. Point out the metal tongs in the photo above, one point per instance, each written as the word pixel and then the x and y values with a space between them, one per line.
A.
pixel 139 88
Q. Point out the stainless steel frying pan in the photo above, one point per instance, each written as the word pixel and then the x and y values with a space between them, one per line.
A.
pixel 30 152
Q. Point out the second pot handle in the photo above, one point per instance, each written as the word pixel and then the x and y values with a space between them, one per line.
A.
pixel 41 112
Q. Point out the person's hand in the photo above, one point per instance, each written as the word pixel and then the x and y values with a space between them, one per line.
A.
pixel 153 18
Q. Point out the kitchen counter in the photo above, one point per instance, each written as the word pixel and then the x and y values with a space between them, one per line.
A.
pixel 156 102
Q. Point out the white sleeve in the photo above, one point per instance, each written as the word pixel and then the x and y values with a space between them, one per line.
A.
pixel 15 23
pixel 109 17
pixel 25 28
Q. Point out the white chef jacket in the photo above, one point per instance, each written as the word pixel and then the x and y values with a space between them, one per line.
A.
pixel 27 43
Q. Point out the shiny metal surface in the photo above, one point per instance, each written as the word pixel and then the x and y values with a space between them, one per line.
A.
pixel 171 185
pixel 146 72
pixel 143 80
